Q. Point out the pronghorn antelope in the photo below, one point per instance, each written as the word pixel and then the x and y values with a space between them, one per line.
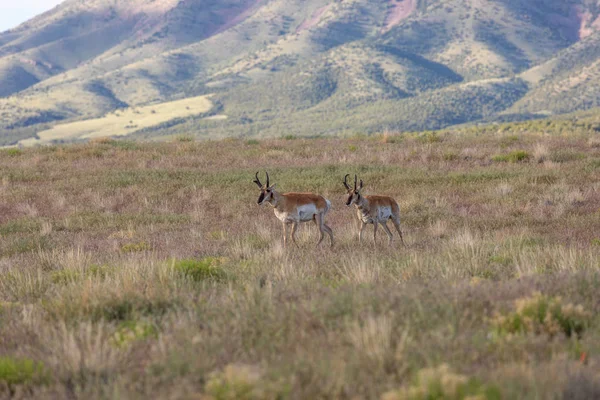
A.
pixel 373 210
pixel 294 208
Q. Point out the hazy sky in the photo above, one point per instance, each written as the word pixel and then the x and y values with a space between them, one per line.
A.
pixel 13 12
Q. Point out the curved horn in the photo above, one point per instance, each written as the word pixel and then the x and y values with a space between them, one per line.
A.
pixel 361 185
pixel 346 181
pixel 257 181
pixel 268 180
pixel 355 181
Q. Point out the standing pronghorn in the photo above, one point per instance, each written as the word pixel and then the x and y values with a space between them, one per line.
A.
pixel 373 210
pixel 294 208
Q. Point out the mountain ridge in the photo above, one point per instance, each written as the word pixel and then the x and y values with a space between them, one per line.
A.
pixel 268 61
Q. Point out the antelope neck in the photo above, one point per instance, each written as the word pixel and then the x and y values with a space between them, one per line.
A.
pixel 275 197
pixel 362 203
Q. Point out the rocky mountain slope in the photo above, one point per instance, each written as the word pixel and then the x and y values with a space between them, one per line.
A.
pixel 302 67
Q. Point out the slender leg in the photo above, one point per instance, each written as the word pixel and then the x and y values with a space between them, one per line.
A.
pixel 387 230
pixel 396 222
pixel 284 235
pixel 375 225
pixel 329 232
pixel 294 227
pixel 319 222
pixel 360 232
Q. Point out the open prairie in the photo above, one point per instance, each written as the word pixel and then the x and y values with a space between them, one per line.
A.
pixel 147 270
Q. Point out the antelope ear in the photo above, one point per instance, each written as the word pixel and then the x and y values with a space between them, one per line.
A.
pixel 272 186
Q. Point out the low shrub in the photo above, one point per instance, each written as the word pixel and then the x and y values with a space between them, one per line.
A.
pixel 513 157
pixel 442 384
pixel 13 152
pixel 540 314
pixel 129 332
pixel 184 138
pixel 429 137
pixel 208 268
pixel 65 276
pixel 242 382
pixel 21 372
pixel 135 247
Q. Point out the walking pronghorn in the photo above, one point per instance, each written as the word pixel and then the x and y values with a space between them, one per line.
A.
pixel 294 208
pixel 373 210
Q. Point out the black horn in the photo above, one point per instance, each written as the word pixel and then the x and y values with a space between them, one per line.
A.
pixel 355 181
pixel 346 181
pixel 257 181
pixel 268 180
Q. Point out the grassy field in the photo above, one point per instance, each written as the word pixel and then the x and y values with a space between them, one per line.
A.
pixel 123 122
pixel 132 270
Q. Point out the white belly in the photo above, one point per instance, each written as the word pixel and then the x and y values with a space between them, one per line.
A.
pixel 384 213
pixel 306 212
pixel 303 213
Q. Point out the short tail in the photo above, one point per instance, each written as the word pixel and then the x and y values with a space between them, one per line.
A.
pixel 327 207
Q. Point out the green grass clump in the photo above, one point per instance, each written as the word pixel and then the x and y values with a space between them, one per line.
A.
pixel 540 314
pixel 21 371
pixel 252 142
pixel 513 157
pixel 241 382
pixel 450 156
pixel 129 332
pixel 184 138
pixel 208 268
pixel 429 137
pixel 65 276
pixel 135 247
pixel 13 152
pixel 129 308
pixel 442 384
pixel 23 245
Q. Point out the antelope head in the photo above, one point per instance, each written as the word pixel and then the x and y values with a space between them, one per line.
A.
pixel 266 191
pixel 353 194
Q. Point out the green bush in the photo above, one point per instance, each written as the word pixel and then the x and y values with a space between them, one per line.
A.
pixel 442 384
pixel 208 268
pixel 541 314
pixel 513 157
pixel 21 371
pixel 132 331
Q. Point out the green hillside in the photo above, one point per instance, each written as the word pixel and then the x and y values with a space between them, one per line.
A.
pixel 307 67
